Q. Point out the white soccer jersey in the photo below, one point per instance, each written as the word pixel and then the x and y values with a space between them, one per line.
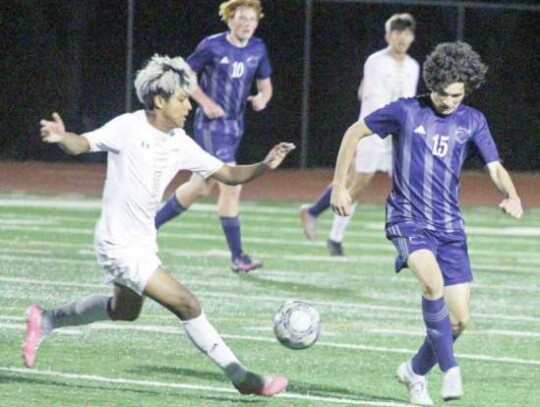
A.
pixel 386 79
pixel 141 162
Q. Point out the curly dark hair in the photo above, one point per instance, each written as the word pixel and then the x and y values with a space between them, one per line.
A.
pixel 452 62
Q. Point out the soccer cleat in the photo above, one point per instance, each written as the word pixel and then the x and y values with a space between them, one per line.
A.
pixel 334 248
pixel 262 385
pixel 452 388
pixel 309 222
pixel 244 264
pixel 416 385
pixel 34 334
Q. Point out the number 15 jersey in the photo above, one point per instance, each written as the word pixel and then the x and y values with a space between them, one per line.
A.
pixel 429 150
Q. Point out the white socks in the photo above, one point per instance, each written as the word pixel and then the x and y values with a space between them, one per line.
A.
pixel 340 223
pixel 205 337
pixel 80 312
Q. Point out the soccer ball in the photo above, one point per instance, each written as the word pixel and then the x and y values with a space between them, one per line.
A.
pixel 297 325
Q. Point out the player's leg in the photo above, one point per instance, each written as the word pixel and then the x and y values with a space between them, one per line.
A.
pixel 171 294
pixel 184 196
pixel 309 213
pixel 358 182
pixel 124 305
pixel 457 301
pixel 228 211
pixel 425 268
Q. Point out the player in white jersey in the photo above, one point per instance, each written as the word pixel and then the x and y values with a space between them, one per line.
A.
pixel 145 151
pixel 388 75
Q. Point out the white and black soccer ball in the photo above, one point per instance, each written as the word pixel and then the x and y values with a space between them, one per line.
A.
pixel 297 325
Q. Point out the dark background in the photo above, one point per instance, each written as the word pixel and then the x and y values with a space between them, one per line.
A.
pixel 70 56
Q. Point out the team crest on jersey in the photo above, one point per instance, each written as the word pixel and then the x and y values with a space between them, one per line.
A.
pixel 252 61
pixel 462 135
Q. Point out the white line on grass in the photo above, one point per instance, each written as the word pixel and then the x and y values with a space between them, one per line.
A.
pixel 171 330
pixel 278 300
pixel 184 386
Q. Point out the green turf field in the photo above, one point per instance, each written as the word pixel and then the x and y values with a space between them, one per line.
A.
pixel 371 317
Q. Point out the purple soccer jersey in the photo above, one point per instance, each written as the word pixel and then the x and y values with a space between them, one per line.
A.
pixel 226 75
pixel 429 150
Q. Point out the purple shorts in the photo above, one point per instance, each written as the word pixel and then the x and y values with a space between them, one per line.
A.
pixel 450 249
pixel 220 145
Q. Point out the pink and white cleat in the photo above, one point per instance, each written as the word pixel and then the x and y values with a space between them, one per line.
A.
pixel 34 334
pixel 262 385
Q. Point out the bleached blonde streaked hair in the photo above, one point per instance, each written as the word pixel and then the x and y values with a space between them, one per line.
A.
pixel 228 8
pixel 163 75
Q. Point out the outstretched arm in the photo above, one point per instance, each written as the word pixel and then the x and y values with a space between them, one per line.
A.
pixel 241 174
pixel 55 132
pixel 341 200
pixel 511 204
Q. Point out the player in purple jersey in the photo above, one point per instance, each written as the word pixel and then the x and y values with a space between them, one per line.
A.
pixel 145 151
pixel 431 136
pixel 227 64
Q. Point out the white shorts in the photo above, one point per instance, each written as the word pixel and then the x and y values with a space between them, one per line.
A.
pixel 131 268
pixel 374 154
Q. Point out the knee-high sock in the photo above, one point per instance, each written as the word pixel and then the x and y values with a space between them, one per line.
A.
pixel 205 337
pixel 439 332
pixel 80 312
pixel 170 210
pixel 231 229
pixel 339 225
pixel 425 358
pixel 322 203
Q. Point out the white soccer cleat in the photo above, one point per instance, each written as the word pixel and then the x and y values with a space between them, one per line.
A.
pixel 309 222
pixel 452 388
pixel 416 385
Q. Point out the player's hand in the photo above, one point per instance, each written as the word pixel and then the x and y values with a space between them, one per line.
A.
pixel 257 102
pixel 277 154
pixel 512 207
pixel 340 201
pixel 52 131
pixel 213 110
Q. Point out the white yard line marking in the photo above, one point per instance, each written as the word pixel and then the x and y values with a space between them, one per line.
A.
pixel 184 386
pixel 171 330
pixel 277 300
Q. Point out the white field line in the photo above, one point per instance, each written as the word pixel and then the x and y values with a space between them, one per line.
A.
pixel 86 249
pixel 183 386
pixel 278 300
pixel 355 347
pixel 13 322
pixel 258 224
pixel 248 207
pixel 516 256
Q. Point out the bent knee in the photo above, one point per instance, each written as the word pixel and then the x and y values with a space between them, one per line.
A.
pixel 186 307
pixel 126 315
pixel 459 325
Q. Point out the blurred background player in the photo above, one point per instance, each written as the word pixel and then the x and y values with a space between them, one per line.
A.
pixel 145 151
pixel 388 75
pixel 228 63
pixel 431 136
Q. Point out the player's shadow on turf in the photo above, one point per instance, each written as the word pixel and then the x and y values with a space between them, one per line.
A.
pixel 295 287
pixel 115 389
pixel 336 392
pixel 40 381
pixel 179 372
